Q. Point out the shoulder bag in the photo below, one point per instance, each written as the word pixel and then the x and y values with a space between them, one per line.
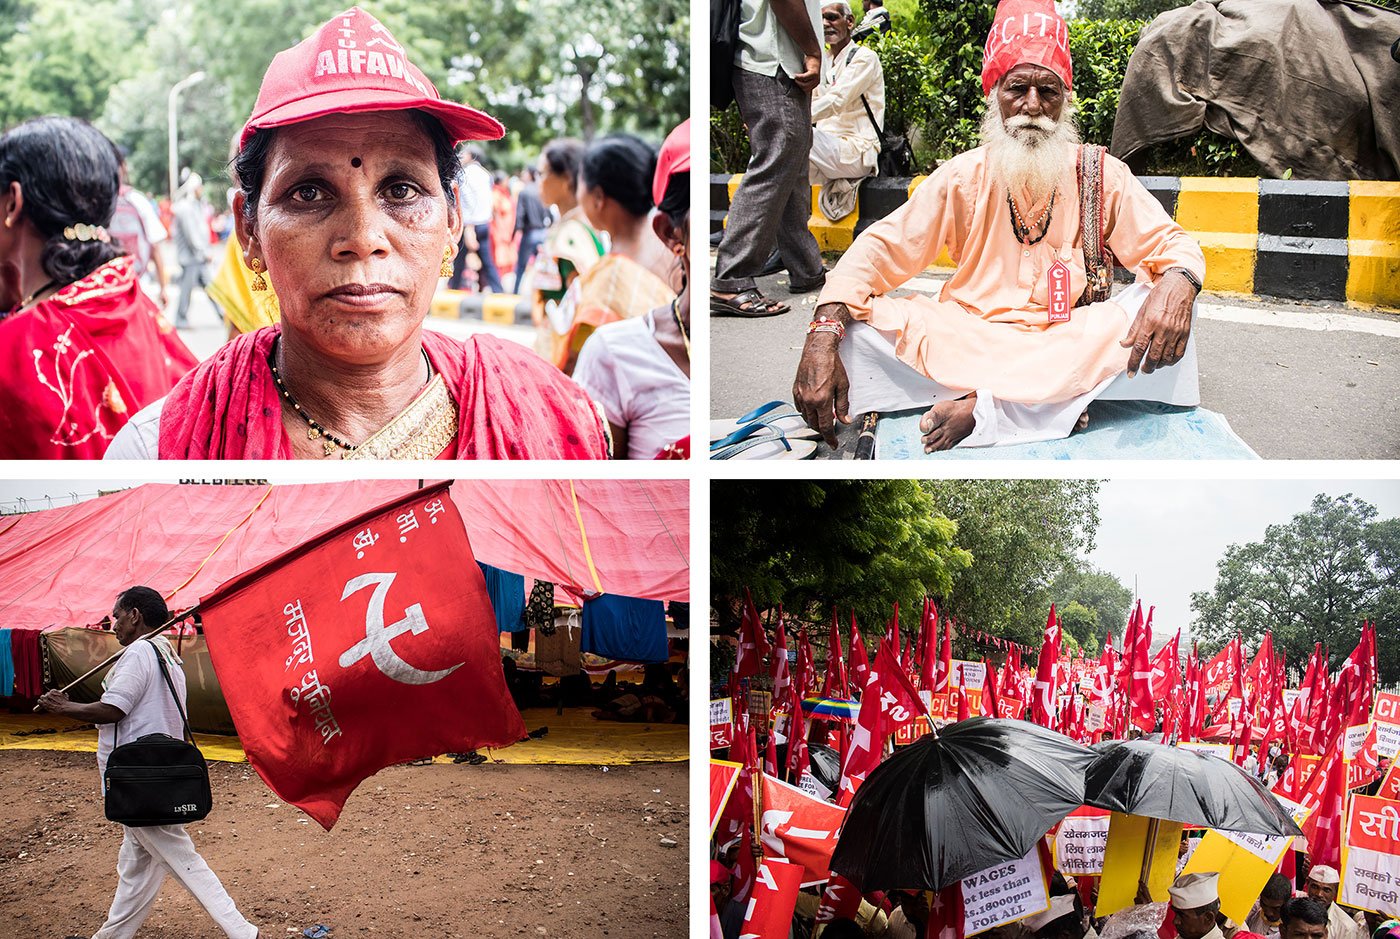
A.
pixel 1098 257
pixel 896 156
pixel 156 779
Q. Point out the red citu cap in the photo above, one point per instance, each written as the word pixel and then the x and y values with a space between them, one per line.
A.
pixel 1026 31
pixel 674 158
pixel 351 64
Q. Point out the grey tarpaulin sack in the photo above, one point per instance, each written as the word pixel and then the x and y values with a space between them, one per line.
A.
pixel 156 779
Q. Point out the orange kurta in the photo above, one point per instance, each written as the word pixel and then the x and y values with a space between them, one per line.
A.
pixel 989 330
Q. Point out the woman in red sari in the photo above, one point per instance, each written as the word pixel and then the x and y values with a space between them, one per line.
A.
pixel 347 204
pixel 82 348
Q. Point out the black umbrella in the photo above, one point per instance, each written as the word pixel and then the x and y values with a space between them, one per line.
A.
pixel 982 791
pixel 1140 778
pixel 825 765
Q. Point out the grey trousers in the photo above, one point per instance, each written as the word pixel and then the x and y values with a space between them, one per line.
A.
pixel 774 199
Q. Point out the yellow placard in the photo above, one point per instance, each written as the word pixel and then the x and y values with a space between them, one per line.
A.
pixel 1243 871
pixel 1126 854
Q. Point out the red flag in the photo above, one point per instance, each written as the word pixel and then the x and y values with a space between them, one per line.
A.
pixel 945 913
pixel 1219 670
pixel 723 776
pixel 867 743
pixel 1326 795
pixel 1140 684
pixel 928 652
pixel 737 817
pixel 898 697
pixel 990 699
pixel 1166 671
pixel 770 753
pixel 769 915
pixel 1366 767
pixel 302 648
pixel 745 877
pixel 753 644
pixel 942 673
pixel 840 900
pixel 782 672
pixel 1043 703
pixel 798 760
pixel 1104 673
pixel 835 685
pixel 805 681
pixel 964 708
pixel 860 660
pixel 892 633
pixel 800 828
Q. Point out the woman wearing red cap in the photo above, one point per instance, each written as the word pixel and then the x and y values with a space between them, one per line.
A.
pixel 347 205
pixel 639 369
pixel 82 348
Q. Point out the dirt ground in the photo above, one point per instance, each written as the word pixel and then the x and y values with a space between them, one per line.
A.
pixel 441 850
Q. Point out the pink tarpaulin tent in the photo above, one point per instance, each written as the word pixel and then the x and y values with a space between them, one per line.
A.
pixel 63 567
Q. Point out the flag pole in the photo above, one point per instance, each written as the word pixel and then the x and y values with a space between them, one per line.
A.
pixel 122 651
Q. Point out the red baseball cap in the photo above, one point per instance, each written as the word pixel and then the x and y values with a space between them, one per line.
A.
pixel 351 64
pixel 673 158
pixel 1026 31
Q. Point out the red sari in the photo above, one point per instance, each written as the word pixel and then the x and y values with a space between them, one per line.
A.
pixel 511 405
pixel 78 365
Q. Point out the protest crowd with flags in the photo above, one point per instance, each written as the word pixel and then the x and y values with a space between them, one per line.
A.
pixel 900 791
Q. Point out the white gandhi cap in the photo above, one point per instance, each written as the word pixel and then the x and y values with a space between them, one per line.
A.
pixel 1193 891
pixel 1323 874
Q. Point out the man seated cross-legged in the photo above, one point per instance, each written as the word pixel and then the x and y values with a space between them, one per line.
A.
pixel 1022 335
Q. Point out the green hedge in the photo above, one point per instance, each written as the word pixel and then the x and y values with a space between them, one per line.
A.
pixel 933 92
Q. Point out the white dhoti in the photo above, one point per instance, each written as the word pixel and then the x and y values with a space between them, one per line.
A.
pixel 147 855
pixel 881 382
pixel 834 157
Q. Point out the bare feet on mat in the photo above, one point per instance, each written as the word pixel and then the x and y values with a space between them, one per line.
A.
pixel 947 423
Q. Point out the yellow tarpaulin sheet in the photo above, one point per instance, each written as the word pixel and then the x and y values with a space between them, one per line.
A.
pixel 574 737
pixel 1131 847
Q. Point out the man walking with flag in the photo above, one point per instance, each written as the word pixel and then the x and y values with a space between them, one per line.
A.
pixel 136 701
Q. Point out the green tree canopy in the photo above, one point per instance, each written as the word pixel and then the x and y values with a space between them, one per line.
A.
pixel 851 544
pixel 1312 579
pixel 1022 534
pixel 1101 594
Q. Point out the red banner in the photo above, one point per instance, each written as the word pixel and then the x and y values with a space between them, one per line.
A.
pixel 774 898
pixel 723 776
pixel 372 644
pixel 800 828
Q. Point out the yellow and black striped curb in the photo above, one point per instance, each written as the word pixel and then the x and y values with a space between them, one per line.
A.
pixel 500 309
pixel 1291 239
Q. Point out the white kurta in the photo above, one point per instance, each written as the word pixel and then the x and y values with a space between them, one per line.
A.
pixel 845 145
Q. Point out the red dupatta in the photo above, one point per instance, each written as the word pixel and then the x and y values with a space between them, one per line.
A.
pixel 511 405
pixel 78 365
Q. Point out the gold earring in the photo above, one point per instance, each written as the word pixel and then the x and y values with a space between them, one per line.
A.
pixel 258 282
pixel 447 254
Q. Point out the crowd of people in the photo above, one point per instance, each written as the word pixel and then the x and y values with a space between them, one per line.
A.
pixel 327 281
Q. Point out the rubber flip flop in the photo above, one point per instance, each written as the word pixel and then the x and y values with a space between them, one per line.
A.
pixel 790 423
pixel 749 304
pixel 768 448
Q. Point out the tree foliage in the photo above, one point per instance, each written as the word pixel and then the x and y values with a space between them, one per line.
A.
pixel 1125 9
pixel 852 544
pixel 1022 534
pixel 1098 592
pixel 1312 579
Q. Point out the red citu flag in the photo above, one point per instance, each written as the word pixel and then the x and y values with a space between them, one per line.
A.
pixel 753 644
pixel 1043 701
pixel 860 659
pixel 928 645
pixel 1140 690
pixel 782 672
pixel 835 685
pixel 369 645
pixel 943 670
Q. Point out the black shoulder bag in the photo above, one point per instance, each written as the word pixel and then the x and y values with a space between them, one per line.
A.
pixel 156 779
pixel 896 156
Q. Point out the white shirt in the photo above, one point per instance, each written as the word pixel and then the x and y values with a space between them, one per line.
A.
pixel 136 686
pixel 475 193
pixel 764 45
pixel 139 438
pixel 1342 926
pixel 638 385
pixel 836 106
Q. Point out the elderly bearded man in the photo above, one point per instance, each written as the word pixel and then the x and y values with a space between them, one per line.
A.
pixel 847 107
pixel 1000 350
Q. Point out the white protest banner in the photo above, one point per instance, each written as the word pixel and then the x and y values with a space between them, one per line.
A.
pixel 974 674
pixel 1371 856
pixel 1355 737
pixel 1265 847
pixel 1095 718
pixel 1221 750
pixel 1387 739
pixel 1289 696
pixel 721 723
pixel 813 787
pixel 1003 894
pixel 1081 840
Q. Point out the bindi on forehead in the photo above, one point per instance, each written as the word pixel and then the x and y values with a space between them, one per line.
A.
pixel 356 162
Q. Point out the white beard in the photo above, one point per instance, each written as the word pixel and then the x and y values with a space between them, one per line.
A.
pixel 1028 154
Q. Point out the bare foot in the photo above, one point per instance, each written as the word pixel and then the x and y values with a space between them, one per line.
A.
pixel 1082 423
pixel 947 423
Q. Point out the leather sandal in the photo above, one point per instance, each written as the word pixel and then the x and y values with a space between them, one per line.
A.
pixel 750 303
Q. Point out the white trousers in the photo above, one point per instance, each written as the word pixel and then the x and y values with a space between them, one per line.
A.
pixel 146 856
pixel 881 382
pixel 831 158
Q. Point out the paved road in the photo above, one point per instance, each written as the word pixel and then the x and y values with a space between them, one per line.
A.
pixel 1295 380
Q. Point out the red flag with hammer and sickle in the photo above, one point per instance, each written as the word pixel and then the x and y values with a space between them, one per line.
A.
pixel 369 645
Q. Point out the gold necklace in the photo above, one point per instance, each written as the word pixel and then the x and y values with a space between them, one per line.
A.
pixel 676 313
pixel 30 299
